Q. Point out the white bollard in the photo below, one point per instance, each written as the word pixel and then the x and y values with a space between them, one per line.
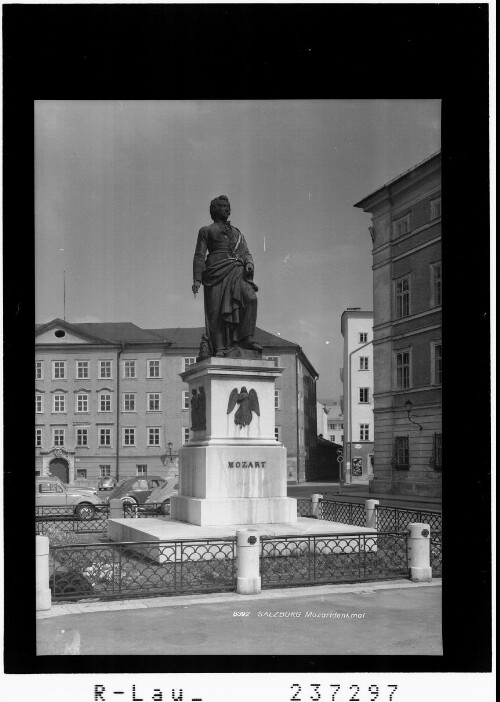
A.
pixel 247 565
pixel 115 509
pixel 419 552
pixel 43 594
pixel 316 505
pixel 371 514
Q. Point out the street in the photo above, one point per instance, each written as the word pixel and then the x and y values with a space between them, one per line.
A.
pixel 395 621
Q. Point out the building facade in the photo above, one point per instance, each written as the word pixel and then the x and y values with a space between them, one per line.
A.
pixel 357 377
pixel 406 236
pixel 109 400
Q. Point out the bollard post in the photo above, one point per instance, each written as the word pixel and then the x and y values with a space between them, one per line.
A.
pixel 316 505
pixel 419 552
pixel 43 594
pixel 115 509
pixel 371 514
pixel 248 580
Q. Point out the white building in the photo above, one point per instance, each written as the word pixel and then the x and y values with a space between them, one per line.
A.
pixel 331 421
pixel 357 374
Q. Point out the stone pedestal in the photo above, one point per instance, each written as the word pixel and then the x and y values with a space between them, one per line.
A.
pixel 232 474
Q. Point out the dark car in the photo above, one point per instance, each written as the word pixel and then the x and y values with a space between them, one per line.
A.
pixel 107 483
pixel 134 491
pixel 159 500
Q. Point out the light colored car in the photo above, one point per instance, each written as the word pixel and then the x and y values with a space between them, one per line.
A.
pixel 108 482
pixel 52 492
pixel 161 496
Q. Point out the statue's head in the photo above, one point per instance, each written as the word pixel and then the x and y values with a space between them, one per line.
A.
pixel 218 204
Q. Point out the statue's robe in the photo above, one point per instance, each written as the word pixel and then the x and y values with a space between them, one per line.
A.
pixel 230 299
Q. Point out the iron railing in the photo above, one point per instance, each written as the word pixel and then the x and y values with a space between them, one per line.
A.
pixel 437 553
pixel 398 518
pixel 67 517
pixel 134 569
pixel 296 560
pixel 304 507
pixel 343 512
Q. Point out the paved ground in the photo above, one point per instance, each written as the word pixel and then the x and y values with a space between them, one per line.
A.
pixel 395 617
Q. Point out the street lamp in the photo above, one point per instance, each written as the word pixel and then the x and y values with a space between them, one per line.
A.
pixel 408 406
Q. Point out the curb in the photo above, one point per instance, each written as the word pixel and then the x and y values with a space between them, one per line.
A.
pixel 82 607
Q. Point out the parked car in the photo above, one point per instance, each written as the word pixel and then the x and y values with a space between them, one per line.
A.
pixel 107 483
pixel 51 491
pixel 161 496
pixel 135 491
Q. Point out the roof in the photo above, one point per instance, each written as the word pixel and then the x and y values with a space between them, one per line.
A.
pixel 191 336
pixel 398 177
pixel 110 332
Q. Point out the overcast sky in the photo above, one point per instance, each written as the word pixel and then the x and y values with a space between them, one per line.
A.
pixel 122 189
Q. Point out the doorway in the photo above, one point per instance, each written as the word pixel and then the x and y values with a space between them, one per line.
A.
pixel 59 468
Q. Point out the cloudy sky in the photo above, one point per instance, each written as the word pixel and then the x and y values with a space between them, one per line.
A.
pixel 122 189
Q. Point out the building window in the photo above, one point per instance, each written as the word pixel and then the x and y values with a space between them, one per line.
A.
pixel 129 369
pixel 105 470
pixel 104 436
pixel 129 402
pixel 363 337
pixel 154 402
pixel 277 399
pixel 82 403
pixel 38 437
pixel 38 370
pixel 364 395
pixel 436 363
pixel 142 469
pixel 153 436
pixel 435 284
pixel 364 363
pixel 188 361
pixel 277 433
pixel 436 208
pixel 332 438
pixel 59 403
pixel 437 452
pixel 185 435
pixel 274 359
pixel 58 437
pixel 58 370
pixel 81 474
pixel 129 437
pixel 105 369
pixel 364 432
pixel 82 437
pixel 154 369
pixel 38 404
pixel 185 400
pixel 403 297
pixel 82 369
pixel 104 402
pixel 403 370
pixel 401 457
pixel 402 225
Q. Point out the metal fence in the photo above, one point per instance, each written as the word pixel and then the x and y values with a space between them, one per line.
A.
pixel 134 569
pixel 343 512
pixel 332 558
pixel 304 507
pixel 437 553
pixel 398 518
pixel 67 518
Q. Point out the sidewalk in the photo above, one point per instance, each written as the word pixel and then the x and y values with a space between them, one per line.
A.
pixel 383 618
pixel 358 493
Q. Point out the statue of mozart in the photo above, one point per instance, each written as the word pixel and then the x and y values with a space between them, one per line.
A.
pixel 227 277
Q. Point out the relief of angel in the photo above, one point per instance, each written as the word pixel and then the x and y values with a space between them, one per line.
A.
pixel 248 403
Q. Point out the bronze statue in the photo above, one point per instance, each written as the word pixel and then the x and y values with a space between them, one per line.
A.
pixel 248 403
pixel 198 409
pixel 227 278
